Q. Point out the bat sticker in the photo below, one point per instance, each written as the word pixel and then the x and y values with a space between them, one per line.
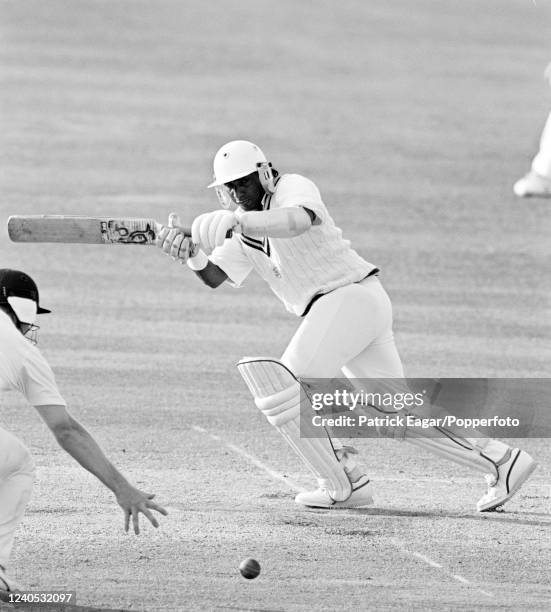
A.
pixel 113 231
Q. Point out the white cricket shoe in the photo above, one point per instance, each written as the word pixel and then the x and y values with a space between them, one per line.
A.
pixel 533 185
pixel 511 476
pixel 361 495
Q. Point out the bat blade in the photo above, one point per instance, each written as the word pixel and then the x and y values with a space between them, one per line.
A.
pixel 83 230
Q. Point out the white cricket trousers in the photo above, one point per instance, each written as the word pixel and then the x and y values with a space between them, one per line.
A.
pixel 16 483
pixel 541 164
pixel 347 332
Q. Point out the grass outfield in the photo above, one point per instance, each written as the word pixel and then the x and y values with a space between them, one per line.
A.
pixel 414 119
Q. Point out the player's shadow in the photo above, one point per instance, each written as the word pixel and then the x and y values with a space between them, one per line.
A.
pixel 496 517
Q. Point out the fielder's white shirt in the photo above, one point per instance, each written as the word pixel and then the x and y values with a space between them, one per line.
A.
pixel 296 269
pixel 23 367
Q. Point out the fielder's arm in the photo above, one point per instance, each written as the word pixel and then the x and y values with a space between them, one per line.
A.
pixel 74 439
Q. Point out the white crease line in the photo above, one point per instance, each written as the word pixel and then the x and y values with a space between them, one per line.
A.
pixel 425 559
pixel 433 563
pixel 460 578
pixel 236 449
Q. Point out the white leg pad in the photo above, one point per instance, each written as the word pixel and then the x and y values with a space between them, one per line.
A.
pixel 276 393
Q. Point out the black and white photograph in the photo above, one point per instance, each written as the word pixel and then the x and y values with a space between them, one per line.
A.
pixel 275 305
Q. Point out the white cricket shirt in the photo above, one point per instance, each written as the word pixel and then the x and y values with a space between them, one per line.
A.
pixel 296 269
pixel 23 367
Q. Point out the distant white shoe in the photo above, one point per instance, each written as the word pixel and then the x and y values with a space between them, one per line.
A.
pixel 533 185
pixel 511 476
pixel 361 496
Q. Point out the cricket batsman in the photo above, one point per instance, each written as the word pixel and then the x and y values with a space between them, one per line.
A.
pixel 281 228
pixel 24 369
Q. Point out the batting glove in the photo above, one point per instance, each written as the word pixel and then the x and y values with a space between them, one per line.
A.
pixel 209 229
pixel 173 241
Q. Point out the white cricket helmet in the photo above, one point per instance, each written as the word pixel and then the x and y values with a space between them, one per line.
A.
pixel 237 159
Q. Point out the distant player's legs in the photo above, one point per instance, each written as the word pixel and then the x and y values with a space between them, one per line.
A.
pixel 538 181
pixel 542 162
pixel 16 482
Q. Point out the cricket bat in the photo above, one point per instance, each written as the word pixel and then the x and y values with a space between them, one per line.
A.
pixel 84 230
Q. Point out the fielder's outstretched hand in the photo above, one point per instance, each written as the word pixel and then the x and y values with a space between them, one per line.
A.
pixel 133 501
pixel 172 240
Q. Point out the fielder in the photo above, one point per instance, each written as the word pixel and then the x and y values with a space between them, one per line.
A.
pixel 282 230
pixel 537 183
pixel 24 369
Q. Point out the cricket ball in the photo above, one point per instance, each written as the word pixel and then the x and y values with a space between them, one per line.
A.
pixel 249 568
